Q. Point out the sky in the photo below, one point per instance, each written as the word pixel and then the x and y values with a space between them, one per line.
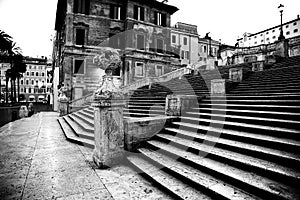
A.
pixel 31 22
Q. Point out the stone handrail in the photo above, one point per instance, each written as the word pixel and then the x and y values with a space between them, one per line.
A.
pixel 149 80
pixel 81 102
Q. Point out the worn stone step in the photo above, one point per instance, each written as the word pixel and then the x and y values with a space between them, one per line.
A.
pixel 70 135
pixel 251 113
pixel 203 180
pixel 270 169
pixel 87 114
pixel 78 130
pixel 282 123
pixel 87 120
pixel 289 96
pixel 261 139
pixel 258 107
pixel 228 175
pixel 253 101
pixel 260 91
pixel 177 187
pixel 82 123
pixel 262 152
pixel 253 128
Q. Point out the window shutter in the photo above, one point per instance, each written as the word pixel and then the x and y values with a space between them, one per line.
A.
pixel 75 9
pixel 136 12
pixel 87 7
pixel 123 13
pixel 112 9
pixel 142 14
pixel 164 20
pixel 155 18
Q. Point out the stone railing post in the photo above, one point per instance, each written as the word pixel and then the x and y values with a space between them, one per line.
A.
pixel 236 74
pixel 218 87
pixel 108 125
pixel 63 105
pixel 176 105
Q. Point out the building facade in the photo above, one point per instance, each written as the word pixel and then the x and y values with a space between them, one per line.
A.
pixel 33 84
pixel 208 50
pixel 3 67
pixel 185 37
pixel 139 30
pixel 291 29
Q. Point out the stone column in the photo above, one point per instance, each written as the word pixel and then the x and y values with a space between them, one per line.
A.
pixel 108 125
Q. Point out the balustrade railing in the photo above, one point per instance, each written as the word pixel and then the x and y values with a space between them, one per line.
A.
pixel 80 103
pixel 149 80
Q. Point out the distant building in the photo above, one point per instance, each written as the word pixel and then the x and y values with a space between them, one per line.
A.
pixel 33 84
pixel 207 48
pixel 3 67
pixel 291 29
pixel 139 30
pixel 185 37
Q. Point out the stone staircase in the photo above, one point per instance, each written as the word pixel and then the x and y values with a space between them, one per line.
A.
pixel 242 146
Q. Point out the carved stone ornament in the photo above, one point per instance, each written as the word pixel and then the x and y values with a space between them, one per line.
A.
pixel 108 94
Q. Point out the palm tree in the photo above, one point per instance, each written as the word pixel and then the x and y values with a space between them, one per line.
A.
pixel 10 49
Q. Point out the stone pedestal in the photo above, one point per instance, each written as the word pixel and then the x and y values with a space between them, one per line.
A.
pixel 236 74
pixel 108 125
pixel 218 87
pixel 176 105
pixel 282 48
pixel 63 105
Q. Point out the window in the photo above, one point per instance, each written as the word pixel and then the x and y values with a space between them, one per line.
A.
pixel 29 90
pixel 261 34
pixel 182 54
pixel 27 82
pixel 286 26
pixel 160 45
pixel 267 39
pixel 140 42
pixel 254 36
pixel 32 73
pixel 159 70
pixel 22 82
pixel 295 23
pixel 79 67
pixel 296 30
pixel 43 74
pixel 274 37
pixel 82 6
pixel 139 13
pixel 27 73
pixel 116 12
pixel 139 69
pixel 32 82
pixel 21 90
pixel 185 41
pixel 80 35
pixel 267 33
pixel 187 55
pixel 262 41
pixel 116 41
pixel 173 39
pixel 160 19
pixel 204 49
pixel 287 33
pixel 36 74
pixel 273 31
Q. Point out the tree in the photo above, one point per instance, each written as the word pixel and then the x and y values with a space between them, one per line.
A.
pixel 9 49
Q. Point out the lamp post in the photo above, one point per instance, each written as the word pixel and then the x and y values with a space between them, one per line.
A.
pixel 281 36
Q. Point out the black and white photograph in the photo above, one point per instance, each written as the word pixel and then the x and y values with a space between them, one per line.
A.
pixel 149 100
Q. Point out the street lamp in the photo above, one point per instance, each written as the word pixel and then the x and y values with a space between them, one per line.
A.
pixel 281 37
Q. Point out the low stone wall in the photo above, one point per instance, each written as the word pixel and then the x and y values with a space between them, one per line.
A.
pixel 141 130
pixel 8 114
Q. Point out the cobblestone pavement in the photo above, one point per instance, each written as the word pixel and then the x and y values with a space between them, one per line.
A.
pixel 36 162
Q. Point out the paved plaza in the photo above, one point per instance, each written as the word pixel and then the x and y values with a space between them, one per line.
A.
pixel 37 162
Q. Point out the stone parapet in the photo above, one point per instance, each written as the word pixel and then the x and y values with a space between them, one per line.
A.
pixel 176 105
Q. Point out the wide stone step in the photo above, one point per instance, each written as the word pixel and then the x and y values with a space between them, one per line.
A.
pixel 70 135
pixel 265 90
pixel 204 181
pixel 78 130
pixel 285 174
pixel 87 114
pixel 253 101
pixel 251 113
pixel 238 179
pixel 262 152
pixel 282 123
pixel 289 96
pixel 178 188
pixel 260 138
pixel 262 107
pixel 240 126
pixel 88 127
